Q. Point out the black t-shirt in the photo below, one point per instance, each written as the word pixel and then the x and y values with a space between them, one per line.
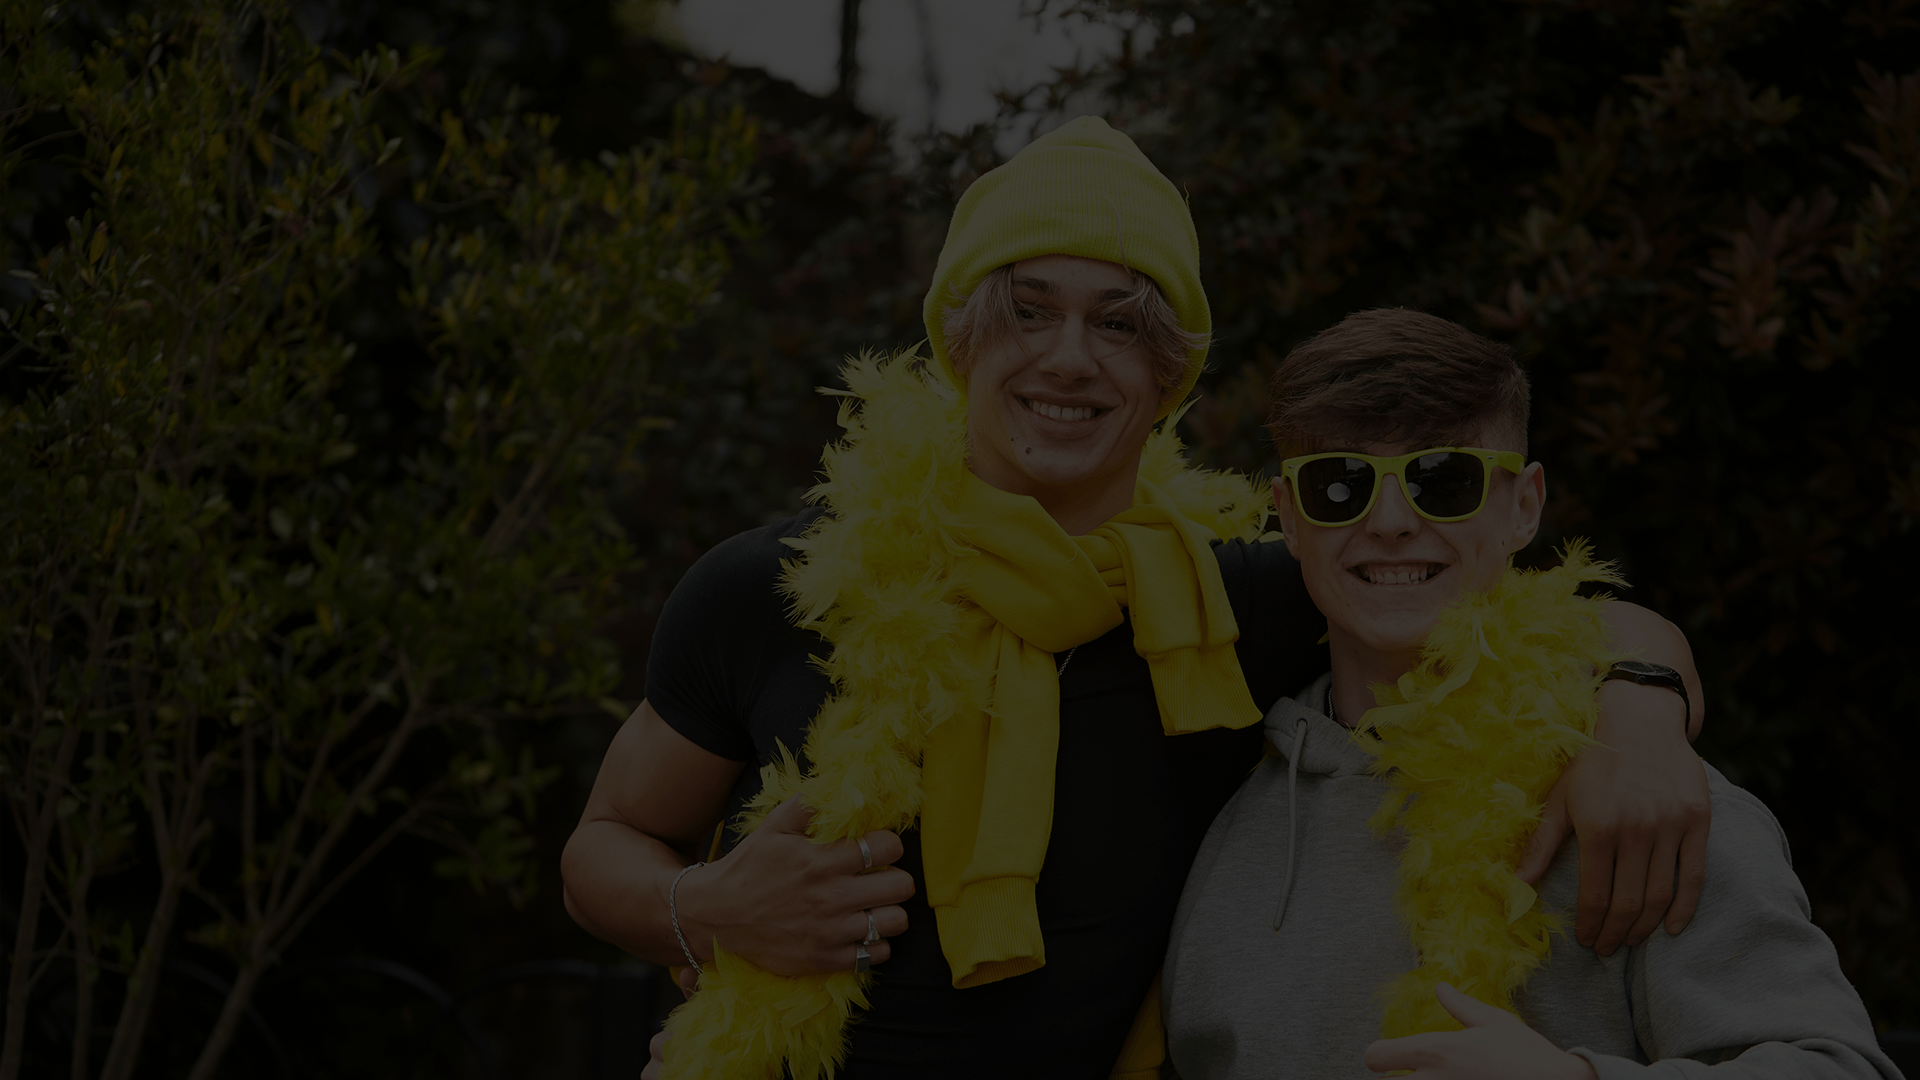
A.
pixel 730 672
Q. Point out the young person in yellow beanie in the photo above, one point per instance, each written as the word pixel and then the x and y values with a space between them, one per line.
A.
pixel 996 685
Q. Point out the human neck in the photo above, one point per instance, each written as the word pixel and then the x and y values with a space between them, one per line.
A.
pixel 1357 668
pixel 1078 508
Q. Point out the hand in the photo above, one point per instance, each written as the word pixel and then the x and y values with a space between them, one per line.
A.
pixel 689 981
pixel 1639 804
pixel 791 906
pixel 1497 1045
pixel 656 1048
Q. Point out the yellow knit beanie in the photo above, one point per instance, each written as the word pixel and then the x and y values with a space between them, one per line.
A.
pixel 1083 189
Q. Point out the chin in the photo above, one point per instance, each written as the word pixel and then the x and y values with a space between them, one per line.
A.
pixel 1399 626
pixel 1054 470
pixel 1395 637
pixel 1058 463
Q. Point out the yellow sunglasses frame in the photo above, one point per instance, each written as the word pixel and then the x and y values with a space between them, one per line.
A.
pixel 1384 467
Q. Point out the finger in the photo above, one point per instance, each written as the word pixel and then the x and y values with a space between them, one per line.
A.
pixel 655 1062
pixel 1596 885
pixel 689 981
pixel 839 956
pixel 878 889
pixel 889 921
pixel 1466 1008
pixel 791 816
pixel 884 846
pixel 1629 897
pixel 1659 890
pixel 1408 1052
pixel 845 959
pixel 1693 877
pixel 1555 824
pixel 1383 1055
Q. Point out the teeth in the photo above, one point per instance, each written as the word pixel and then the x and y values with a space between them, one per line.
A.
pixel 1059 412
pixel 1398 575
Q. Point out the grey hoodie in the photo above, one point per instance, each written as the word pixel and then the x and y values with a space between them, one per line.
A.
pixel 1286 933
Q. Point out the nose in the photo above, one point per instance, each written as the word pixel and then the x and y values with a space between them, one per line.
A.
pixel 1392 518
pixel 1068 352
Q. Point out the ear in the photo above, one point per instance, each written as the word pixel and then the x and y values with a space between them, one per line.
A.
pixel 1529 500
pixel 1289 517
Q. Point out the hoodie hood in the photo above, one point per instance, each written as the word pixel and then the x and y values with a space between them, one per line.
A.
pixel 1330 749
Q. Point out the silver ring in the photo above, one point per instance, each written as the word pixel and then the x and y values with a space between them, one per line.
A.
pixel 866 854
pixel 873 932
pixel 862 960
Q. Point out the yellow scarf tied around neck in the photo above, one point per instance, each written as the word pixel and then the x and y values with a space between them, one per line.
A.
pixel 1030 592
pixel 945 601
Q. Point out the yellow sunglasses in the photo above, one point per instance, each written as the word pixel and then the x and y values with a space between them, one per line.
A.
pixel 1447 483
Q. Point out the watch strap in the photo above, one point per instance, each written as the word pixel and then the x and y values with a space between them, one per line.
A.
pixel 1647 674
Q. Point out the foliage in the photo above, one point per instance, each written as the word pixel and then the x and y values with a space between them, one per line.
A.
pixel 1662 236
pixel 244 656
pixel 1700 225
pixel 848 234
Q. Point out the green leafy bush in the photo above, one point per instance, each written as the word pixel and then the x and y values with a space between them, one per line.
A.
pixel 242 655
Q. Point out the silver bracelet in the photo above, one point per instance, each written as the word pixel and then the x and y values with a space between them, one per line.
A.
pixel 673 913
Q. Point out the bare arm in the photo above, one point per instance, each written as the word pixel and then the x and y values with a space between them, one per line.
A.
pixel 1652 638
pixel 654 805
pixel 1638 800
pixel 779 899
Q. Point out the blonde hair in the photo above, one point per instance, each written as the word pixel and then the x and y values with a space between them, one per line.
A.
pixel 987 316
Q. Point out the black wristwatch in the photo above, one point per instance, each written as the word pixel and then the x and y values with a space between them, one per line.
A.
pixel 1655 675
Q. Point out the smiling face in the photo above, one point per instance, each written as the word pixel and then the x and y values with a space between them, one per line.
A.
pixel 1383 581
pixel 1060 408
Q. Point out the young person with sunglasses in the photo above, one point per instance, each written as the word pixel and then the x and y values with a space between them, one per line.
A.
pixel 1010 627
pixel 1361 883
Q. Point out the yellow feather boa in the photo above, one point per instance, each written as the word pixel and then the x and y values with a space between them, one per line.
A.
pixel 874 582
pixel 1470 750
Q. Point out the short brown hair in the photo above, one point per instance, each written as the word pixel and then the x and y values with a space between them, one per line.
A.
pixel 1392 375
pixel 987 315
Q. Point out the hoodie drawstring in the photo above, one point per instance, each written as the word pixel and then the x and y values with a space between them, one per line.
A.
pixel 1293 825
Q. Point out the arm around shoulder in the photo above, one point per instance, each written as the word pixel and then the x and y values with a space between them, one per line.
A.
pixel 1637 799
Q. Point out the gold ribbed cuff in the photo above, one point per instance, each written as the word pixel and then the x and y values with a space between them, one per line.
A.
pixel 991 931
pixel 1199 689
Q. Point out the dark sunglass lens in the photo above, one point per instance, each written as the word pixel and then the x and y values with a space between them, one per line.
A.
pixel 1447 484
pixel 1334 490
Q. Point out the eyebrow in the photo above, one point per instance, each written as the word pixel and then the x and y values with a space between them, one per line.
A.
pixel 1048 288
